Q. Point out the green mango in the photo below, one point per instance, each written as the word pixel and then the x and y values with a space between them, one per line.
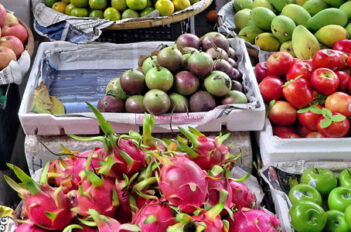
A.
pixel 314 6
pixel 304 44
pixel 348 29
pixel 249 33
pixel 291 1
pixel 327 17
pixel 278 4
pixel 242 4
pixel 297 13
pixel 242 18
pixel 262 17
pixel 334 3
pixel 330 34
pixel 346 7
pixel 282 27
pixel 262 3
pixel 287 47
pixel 267 42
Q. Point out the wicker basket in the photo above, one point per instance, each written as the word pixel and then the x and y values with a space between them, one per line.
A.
pixel 30 42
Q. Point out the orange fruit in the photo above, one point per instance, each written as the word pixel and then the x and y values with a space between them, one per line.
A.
pixel 59 6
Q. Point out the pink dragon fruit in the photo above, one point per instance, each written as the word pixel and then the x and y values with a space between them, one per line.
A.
pixel 154 217
pixel 183 183
pixel 98 193
pixel 253 220
pixel 216 185
pixel 205 151
pixel 129 158
pixel 45 206
pixel 242 197
pixel 79 228
pixel 25 227
pixel 107 224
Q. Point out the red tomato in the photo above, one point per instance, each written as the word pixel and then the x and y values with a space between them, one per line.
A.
pixel 325 81
pixel 309 119
pixel 282 113
pixel 335 129
pixel 289 135
pixel 271 89
pixel 343 45
pixel 261 71
pixel 349 61
pixel 298 93
pixel 339 102
pixel 344 79
pixel 314 134
pixel 328 58
pixel 302 131
pixel 278 130
pixel 279 63
pixel 299 68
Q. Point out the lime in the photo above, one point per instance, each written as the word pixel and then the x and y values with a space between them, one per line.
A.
pixel 59 6
pixel 80 12
pixel 181 4
pixel 96 14
pixel 80 3
pixel 119 4
pixel 146 11
pixel 137 4
pixel 66 1
pixel 129 13
pixel 69 8
pixel 49 3
pixel 165 7
pixel 97 4
pixel 112 14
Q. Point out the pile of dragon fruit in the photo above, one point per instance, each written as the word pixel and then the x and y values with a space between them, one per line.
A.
pixel 140 183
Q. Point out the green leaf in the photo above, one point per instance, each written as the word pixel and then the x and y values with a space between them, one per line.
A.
pixel 326 122
pixel 150 219
pixel 327 113
pixel 338 118
pixel 316 110
pixel 13 184
pixel 271 104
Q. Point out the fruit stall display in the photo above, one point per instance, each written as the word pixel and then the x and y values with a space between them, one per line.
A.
pixel 314 196
pixel 308 99
pixel 138 183
pixel 300 28
pixel 200 101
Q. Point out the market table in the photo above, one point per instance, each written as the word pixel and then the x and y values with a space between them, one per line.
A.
pixel 38 154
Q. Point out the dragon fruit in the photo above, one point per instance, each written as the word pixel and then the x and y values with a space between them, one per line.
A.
pixel 253 220
pixel 107 224
pixel 242 197
pixel 216 185
pixel 45 206
pixel 79 228
pixel 25 227
pixel 205 151
pixel 183 183
pixel 98 193
pixel 154 217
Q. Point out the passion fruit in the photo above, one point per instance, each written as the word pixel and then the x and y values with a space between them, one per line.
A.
pixel 110 104
pixel 149 63
pixel 188 40
pixel 159 78
pixel 200 63
pixel 217 53
pixel 133 81
pixel 186 83
pixel 135 104
pixel 236 85
pixel 115 89
pixel 234 97
pixel 218 83
pixel 170 58
pixel 156 102
pixel 202 101
pixel 179 104
pixel 214 39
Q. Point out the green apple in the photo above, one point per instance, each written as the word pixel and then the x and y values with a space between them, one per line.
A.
pixel 304 192
pixel 322 179
pixel 307 216
pixel 339 198
pixel 348 216
pixel 345 178
pixel 98 4
pixel 336 222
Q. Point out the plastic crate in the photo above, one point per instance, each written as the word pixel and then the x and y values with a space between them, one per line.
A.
pixel 9 122
pixel 162 33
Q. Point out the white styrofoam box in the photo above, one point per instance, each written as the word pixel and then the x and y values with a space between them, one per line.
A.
pixel 274 149
pixel 239 117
